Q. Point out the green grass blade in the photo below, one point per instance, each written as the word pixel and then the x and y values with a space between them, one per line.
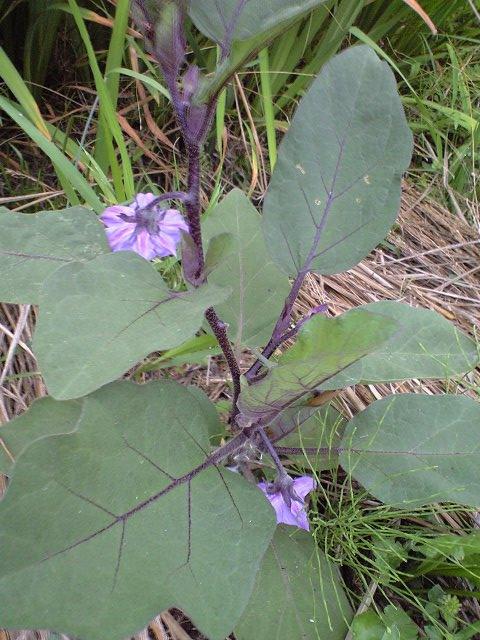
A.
pixel 125 187
pixel 268 106
pixel 148 81
pixel 62 164
pixel 40 40
pixel 112 79
pixel 17 86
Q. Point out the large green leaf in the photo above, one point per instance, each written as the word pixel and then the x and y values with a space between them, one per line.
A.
pixel 245 19
pixel 32 246
pixel 100 318
pixel 425 346
pixel 413 449
pixel 259 287
pixel 104 528
pixel 246 25
pixel 298 594
pixel 324 347
pixel 335 191
pixel 45 417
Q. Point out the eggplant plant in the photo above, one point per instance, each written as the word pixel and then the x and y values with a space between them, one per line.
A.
pixel 121 500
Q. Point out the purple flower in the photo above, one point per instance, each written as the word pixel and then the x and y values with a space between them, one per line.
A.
pixel 287 497
pixel 144 227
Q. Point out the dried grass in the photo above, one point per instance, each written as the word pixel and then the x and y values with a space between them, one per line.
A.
pixel 432 261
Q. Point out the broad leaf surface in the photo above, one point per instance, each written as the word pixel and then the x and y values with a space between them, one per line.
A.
pixel 425 346
pixel 244 19
pixel 317 429
pixel 106 527
pixel 246 25
pixel 324 347
pixel 219 248
pixel 410 450
pixel 298 593
pixel 335 191
pixel 32 246
pixel 45 417
pixel 100 318
pixel 259 287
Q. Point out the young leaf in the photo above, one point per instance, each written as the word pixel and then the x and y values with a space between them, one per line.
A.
pixel 298 594
pixel 335 191
pixel 32 246
pixel 259 287
pixel 242 28
pixel 122 520
pixel 393 624
pixel 411 449
pixel 100 318
pixel 45 417
pixel 425 346
pixel 324 347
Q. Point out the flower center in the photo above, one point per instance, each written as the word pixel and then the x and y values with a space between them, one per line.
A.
pixel 149 218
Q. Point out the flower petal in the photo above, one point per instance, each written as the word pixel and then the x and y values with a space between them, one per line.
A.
pixel 300 515
pixel 303 486
pixel 143 245
pixel 121 236
pixel 144 199
pixel 296 513
pixel 111 215
pixel 173 219
pixel 166 242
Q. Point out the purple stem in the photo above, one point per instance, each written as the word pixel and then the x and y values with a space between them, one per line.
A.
pixel 281 327
pixel 220 331
pixel 193 211
pixel 170 195
pixel 193 207
pixel 272 451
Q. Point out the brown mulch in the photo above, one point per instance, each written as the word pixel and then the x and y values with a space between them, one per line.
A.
pixel 432 260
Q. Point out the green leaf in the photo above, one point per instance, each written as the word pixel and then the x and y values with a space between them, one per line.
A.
pixel 317 429
pixel 121 520
pixel 191 351
pixel 335 191
pixel 324 347
pixel 394 624
pixel 32 246
pixel 218 251
pixel 259 288
pixel 44 418
pixel 100 318
pixel 451 555
pixel 298 594
pixel 255 18
pixel 397 617
pixel 410 450
pixel 426 346
pixel 248 25
pixel 367 626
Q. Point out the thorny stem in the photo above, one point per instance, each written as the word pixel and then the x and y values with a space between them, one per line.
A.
pixel 193 211
pixel 193 206
pixel 279 333
pixel 220 331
